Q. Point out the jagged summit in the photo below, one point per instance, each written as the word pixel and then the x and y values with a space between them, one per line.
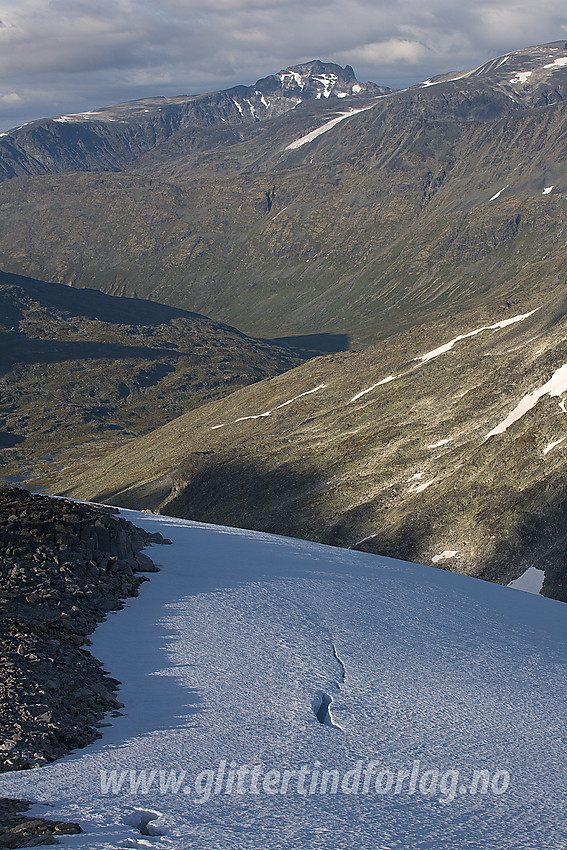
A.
pixel 112 137
pixel 317 79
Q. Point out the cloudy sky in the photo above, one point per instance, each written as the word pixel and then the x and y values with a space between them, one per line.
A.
pixel 59 56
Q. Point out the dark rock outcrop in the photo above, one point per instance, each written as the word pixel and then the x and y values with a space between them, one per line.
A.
pixel 20 830
pixel 63 566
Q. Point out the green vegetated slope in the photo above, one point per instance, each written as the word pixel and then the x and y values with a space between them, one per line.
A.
pixel 81 371
pixel 381 450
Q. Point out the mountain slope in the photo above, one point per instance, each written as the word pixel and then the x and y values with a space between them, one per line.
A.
pixel 113 137
pixel 356 215
pixel 226 657
pixel 405 449
pixel 79 367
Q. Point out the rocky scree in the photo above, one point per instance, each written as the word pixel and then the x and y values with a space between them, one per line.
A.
pixel 19 830
pixel 63 566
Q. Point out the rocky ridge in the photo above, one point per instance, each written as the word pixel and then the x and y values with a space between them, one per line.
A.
pixel 63 566
pixel 80 369
pixel 19 830
pixel 113 137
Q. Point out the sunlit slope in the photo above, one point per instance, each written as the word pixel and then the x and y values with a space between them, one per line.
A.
pixel 447 439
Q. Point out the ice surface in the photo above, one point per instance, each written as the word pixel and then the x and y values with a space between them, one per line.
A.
pixel 222 657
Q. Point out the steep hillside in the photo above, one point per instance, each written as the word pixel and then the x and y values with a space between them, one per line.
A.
pixel 357 215
pixel 407 449
pixel 81 371
pixel 114 137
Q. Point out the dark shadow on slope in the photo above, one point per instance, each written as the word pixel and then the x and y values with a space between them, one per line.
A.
pixel 278 499
pixel 91 303
pixel 8 440
pixel 405 541
pixel 314 343
pixel 507 530
pixel 539 540
pixel 16 348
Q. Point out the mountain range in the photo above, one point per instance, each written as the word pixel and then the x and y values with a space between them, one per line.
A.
pixel 413 200
pixel 423 227
pixel 394 262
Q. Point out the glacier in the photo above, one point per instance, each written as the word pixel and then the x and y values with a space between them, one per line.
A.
pixel 255 665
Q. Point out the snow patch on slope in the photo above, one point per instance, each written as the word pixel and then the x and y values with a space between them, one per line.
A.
pixel 443 349
pixel 552 445
pixel 373 387
pixel 307 392
pixel 560 62
pixel 304 140
pixel 497 326
pixel 521 77
pixel 556 386
pixel 531 581
pixel 269 412
pixel 444 556
pixel 497 195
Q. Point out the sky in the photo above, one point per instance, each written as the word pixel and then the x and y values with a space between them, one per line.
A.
pixel 61 56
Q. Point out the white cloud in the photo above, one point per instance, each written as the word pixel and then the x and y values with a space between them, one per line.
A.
pixel 11 98
pixel 381 53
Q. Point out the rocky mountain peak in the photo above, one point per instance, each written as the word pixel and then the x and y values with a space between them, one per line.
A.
pixel 316 80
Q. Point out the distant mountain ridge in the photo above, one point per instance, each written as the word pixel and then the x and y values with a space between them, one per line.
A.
pixel 348 214
pixel 113 137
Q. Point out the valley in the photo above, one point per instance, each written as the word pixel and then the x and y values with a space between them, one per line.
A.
pixel 82 372
pixel 309 206
pixel 297 350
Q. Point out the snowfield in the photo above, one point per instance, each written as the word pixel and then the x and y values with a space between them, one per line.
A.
pixel 282 694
